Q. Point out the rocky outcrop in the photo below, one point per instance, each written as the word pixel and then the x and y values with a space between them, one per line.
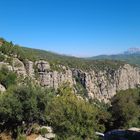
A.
pixel 128 77
pixel 42 66
pixel 102 85
pixel 29 65
pixel 19 67
pixel 2 88
pixel 54 79
pixel 41 138
pixel 49 135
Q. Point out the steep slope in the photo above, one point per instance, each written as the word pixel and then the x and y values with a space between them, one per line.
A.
pixel 102 85
pixel 99 79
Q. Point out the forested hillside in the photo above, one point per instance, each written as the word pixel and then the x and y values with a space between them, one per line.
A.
pixel 131 58
pixel 24 53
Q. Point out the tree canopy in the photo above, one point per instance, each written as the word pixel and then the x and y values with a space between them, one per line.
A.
pixel 125 109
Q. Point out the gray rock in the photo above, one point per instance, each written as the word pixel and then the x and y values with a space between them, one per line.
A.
pixel 102 85
pixel 41 138
pixel 29 65
pixel 54 79
pixel 2 88
pixel 50 135
pixel 42 66
pixel 19 67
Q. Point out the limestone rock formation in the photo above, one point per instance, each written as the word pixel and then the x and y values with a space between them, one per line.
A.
pixel 42 66
pixel 49 135
pixel 49 78
pixel 2 88
pixel 102 85
pixel 41 138
pixel 29 65
pixel 19 67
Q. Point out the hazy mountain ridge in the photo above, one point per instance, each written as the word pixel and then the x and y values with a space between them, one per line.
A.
pixel 131 56
pixel 132 51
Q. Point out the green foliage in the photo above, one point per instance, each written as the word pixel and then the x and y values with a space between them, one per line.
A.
pixel 2 39
pixel 25 103
pixel 81 90
pixel 7 78
pixel 10 110
pixel 10 49
pixel 21 137
pixel 43 131
pixel 72 118
pixel 2 57
pixel 125 109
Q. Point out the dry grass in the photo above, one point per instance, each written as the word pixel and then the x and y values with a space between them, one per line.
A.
pixel 32 137
pixel 5 136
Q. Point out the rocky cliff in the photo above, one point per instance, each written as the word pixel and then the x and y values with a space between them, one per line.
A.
pixel 102 85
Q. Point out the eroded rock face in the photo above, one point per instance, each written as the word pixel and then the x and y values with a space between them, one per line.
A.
pixel 42 66
pixel 19 67
pixel 29 65
pixel 129 77
pixel 102 85
pixel 55 79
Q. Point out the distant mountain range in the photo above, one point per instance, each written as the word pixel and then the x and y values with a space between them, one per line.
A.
pixel 132 56
pixel 133 51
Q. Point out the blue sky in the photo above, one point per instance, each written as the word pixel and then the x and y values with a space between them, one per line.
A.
pixel 74 27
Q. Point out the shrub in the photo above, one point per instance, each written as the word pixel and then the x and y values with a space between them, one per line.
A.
pixel 21 137
pixel 72 117
pixel 43 131
pixel 7 78
pixel 24 103
pixel 125 109
pixel 2 57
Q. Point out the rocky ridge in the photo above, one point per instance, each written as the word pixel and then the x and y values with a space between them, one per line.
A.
pixel 102 85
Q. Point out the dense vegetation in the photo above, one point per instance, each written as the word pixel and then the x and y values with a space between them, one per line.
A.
pixel 125 109
pixel 7 78
pixel 71 118
pixel 21 106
